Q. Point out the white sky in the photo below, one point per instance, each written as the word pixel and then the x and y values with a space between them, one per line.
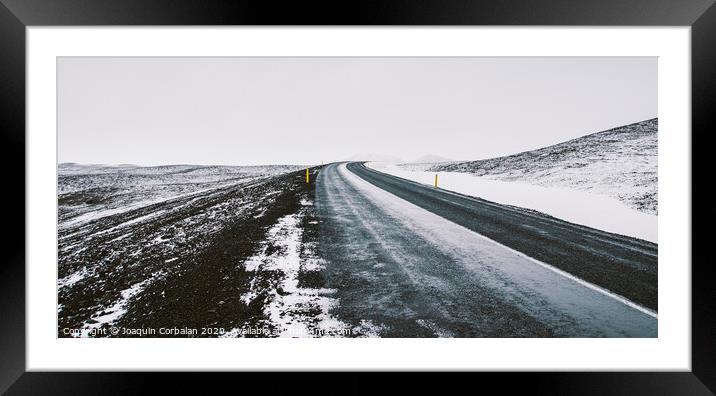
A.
pixel 149 111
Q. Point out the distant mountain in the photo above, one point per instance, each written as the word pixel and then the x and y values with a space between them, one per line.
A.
pixel 430 158
pixel 620 162
pixel 375 157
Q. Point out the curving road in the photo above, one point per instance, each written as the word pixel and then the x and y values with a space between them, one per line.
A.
pixel 408 260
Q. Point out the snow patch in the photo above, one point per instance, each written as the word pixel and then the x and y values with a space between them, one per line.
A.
pixel 111 314
pixel 73 278
pixel 368 329
pixel 437 330
pixel 295 311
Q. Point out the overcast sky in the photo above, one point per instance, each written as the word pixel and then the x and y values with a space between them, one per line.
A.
pixel 150 111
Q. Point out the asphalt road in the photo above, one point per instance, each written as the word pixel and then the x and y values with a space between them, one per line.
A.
pixel 408 260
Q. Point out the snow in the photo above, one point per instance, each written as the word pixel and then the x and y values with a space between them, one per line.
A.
pixel 133 221
pixel 111 314
pixel 437 330
pixel 593 210
pixel 368 329
pixel 292 311
pixel 73 278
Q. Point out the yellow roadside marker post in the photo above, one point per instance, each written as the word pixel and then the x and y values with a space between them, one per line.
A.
pixel 306 175
pixel 436 180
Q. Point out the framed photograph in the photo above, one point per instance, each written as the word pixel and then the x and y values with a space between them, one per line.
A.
pixel 456 186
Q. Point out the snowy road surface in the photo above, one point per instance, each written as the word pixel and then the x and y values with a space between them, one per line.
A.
pixel 414 261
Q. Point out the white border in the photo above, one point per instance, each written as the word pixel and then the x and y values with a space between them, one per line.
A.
pixel 670 351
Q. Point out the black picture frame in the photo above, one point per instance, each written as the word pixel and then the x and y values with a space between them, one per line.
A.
pixel 16 15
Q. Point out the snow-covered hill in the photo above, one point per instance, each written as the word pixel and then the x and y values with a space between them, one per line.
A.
pixel 620 163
